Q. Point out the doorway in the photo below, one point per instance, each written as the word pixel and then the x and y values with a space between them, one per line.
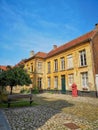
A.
pixel 63 84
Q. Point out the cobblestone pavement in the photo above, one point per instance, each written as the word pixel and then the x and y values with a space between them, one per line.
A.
pixel 54 112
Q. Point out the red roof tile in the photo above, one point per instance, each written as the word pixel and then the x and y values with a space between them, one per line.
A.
pixel 3 67
pixel 41 54
pixel 38 54
pixel 70 44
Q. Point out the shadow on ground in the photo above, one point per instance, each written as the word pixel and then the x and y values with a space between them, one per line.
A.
pixel 36 116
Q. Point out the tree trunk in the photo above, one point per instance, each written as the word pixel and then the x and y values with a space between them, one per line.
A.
pixel 11 90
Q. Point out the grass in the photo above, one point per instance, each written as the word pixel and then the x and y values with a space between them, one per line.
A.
pixel 18 104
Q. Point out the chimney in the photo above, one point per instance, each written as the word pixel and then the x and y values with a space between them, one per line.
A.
pixel 54 47
pixel 96 26
pixel 31 53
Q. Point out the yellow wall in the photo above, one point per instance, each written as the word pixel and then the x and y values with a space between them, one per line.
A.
pixel 76 70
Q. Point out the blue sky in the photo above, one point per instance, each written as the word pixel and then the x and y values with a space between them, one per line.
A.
pixel 37 25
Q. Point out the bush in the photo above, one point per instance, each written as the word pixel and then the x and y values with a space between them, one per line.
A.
pixel 35 90
pixel 3 97
pixel 25 90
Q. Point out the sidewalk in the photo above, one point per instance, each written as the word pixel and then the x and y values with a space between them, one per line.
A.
pixel 3 122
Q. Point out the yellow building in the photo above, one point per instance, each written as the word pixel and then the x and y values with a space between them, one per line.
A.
pixel 74 62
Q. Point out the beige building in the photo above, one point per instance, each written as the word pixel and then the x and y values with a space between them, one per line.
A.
pixel 73 62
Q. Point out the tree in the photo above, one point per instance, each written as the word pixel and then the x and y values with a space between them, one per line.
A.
pixel 14 76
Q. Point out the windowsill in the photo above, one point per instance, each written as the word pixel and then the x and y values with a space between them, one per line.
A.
pixel 85 90
pixel 83 66
pixel 62 70
pixel 49 73
pixel 56 71
pixel 69 68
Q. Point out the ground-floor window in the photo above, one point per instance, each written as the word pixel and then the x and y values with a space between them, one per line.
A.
pixel 55 82
pixel 70 79
pixel 39 83
pixel 84 80
pixel 49 82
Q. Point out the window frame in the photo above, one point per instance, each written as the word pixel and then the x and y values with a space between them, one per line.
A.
pixel 70 79
pixel 55 82
pixel 82 58
pixel 70 61
pixel 49 67
pixel 84 80
pixel 49 82
pixel 62 63
pixel 55 65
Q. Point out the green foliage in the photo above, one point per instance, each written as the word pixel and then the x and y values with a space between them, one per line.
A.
pixel 35 90
pixel 25 90
pixel 3 97
pixel 13 77
pixel 18 104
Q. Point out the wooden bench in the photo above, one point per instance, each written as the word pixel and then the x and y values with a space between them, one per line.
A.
pixel 16 97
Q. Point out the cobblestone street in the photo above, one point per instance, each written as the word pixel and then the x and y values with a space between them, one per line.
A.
pixel 55 112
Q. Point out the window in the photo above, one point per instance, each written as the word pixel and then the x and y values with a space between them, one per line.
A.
pixel 39 83
pixel 39 66
pixel 55 82
pixel 62 63
pixel 70 79
pixel 84 79
pixel 70 61
pixel 31 68
pixel 49 67
pixel 83 58
pixel 49 82
pixel 55 65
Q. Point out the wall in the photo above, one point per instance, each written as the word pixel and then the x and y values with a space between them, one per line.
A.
pixel 76 70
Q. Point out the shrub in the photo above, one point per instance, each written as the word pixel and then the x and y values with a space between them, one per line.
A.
pixel 25 90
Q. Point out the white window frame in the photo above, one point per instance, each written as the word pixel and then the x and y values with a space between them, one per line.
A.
pixel 31 68
pixel 70 79
pixel 84 79
pixel 55 65
pixel 49 82
pixel 83 59
pixel 62 67
pixel 49 67
pixel 39 82
pixel 40 65
pixel 56 82
pixel 70 61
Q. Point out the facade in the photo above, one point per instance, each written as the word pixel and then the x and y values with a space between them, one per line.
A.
pixel 74 62
pixel 35 66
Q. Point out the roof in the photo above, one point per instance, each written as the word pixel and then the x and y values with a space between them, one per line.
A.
pixel 38 55
pixel 41 54
pixel 20 63
pixel 72 43
pixel 3 67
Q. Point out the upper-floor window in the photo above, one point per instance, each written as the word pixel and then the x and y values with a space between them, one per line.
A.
pixel 31 68
pixel 62 63
pixel 55 82
pixel 55 65
pixel 49 67
pixel 83 61
pixel 84 79
pixel 70 61
pixel 39 69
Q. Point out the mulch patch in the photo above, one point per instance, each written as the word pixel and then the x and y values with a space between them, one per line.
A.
pixel 72 126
